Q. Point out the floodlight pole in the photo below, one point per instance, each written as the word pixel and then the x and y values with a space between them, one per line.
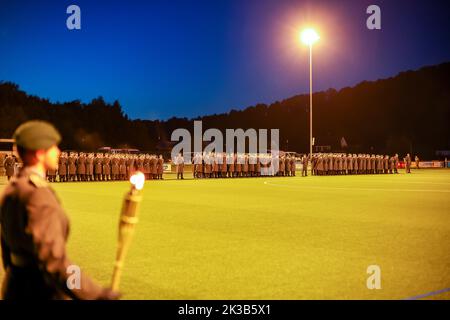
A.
pixel 310 103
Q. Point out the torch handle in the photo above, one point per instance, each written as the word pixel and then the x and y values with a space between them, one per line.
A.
pixel 127 223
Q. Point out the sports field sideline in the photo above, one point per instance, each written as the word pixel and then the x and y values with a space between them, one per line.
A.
pixel 270 238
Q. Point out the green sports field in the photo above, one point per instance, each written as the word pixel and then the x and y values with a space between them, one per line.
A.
pixel 270 238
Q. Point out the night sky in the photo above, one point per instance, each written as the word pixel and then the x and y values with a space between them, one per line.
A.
pixel 190 58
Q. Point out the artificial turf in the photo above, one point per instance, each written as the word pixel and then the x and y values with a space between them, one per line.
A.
pixel 270 238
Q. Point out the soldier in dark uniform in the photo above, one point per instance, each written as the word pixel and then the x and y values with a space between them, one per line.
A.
pixel 334 166
pixel 230 165
pixel 391 164
pixel 146 166
pixel 258 165
pixel 123 167
pixel 115 168
pixel 81 167
pixel 314 162
pixel 281 166
pixel 194 166
pixel 396 163
pixel 90 167
pixel 160 167
pixel 130 165
pixel 356 163
pixel 239 164
pixel 153 167
pixel 214 166
pixel 106 169
pixel 293 166
pixel 51 175
pixel 305 166
pixel 179 162
pixel 72 166
pixel 349 164
pixel 9 165
pixel 325 164
pixel 208 164
pixel 199 166
pixel 287 165
pixel 62 167
pixel 34 227
pixel 408 163
pixel 380 164
pixel 98 163
pixel 224 166
pixel 344 164
pixel 245 166
pixel 386 164
pixel 140 163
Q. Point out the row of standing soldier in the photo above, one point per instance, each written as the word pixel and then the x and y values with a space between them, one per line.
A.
pixel 105 167
pixel 337 164
pixel 233 165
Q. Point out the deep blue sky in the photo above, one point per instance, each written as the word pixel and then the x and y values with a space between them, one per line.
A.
pixel 189 58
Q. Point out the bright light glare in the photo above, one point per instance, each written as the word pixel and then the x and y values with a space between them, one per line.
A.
pixel 138 180
pixel 309 36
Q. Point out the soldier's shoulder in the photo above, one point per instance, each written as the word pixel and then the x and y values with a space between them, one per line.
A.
pixel 37 181
pixel 24 185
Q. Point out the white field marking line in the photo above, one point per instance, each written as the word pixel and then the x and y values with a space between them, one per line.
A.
pixel 344 188
pixel 417 182
pixel 429 294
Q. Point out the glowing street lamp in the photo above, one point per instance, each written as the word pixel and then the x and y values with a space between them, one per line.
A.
pixel 309 37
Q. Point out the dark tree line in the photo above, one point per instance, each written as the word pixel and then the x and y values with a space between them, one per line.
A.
pixel 406 113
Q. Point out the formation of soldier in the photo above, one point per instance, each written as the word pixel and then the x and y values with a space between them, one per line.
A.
pixel 234 165
pixel 82 166
pixel 339 164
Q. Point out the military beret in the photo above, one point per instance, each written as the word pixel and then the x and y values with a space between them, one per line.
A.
pixel 36 135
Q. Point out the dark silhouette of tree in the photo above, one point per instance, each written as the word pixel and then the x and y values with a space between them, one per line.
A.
pixel 406 113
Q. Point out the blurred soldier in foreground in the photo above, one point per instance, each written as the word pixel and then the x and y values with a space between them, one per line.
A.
pixel 34 227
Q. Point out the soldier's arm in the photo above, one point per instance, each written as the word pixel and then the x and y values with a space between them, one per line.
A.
pixel 6 255
pixel 5 252
pixel 46 228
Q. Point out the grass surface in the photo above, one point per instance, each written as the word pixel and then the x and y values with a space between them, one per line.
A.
pixel 270 238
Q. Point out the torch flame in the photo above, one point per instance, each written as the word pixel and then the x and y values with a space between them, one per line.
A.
pixel 137 180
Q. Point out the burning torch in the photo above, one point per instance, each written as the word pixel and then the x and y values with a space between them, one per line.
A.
pixel 127 222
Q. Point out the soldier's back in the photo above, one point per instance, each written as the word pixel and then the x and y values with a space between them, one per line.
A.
pixel 22 228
